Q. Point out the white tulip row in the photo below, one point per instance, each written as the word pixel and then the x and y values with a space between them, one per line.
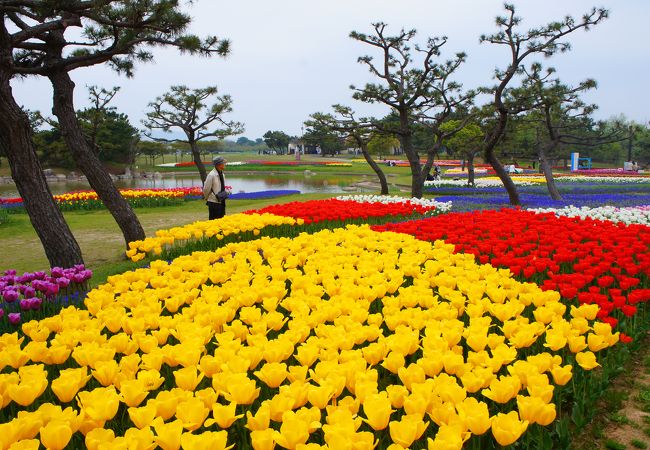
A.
pixel 629 215
pixel 427 203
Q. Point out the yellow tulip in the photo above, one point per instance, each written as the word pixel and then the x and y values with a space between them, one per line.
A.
pixel 28 390
pixel 137 439
pixel 261 419
pixel 503 389
pixel 475 414
pixel 26 444
pixel 319 396
pixel 535 410
pixel 377 408
pixel 66 386
pixel 411 374
pixel 168 435
pixel 407 430
pixel 55 435
pixel 397 394
pixel 562 374
pixel 596 342
pixel 99 404
pixel 272 374
pixel 587 360
pixel 448 437
pixel 263 439
pixel 188 378
pixel 393 362
pixel 166 403
pixel 192 413
pixel 133 392
pixel 241 390
pixel 143 416
pixel 293 431
pixel 217 440
pixel 577 343
pixel 97 436
pixel 106 372
pixel 507 428
pixel 224 415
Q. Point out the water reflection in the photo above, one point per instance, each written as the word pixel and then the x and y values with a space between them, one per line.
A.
pixel 239 183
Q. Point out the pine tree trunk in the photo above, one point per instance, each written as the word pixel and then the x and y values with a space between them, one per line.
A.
pixel 503 175
pixel 470 170
pixel 406 141
pixel 61 247
pixel 88 162
pixel 548 174
pixel 377 169
pixel 196 155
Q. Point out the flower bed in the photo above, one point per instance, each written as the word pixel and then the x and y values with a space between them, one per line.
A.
pixel 39 294
pixel 337 337
pixel 89 200
pixel 289 219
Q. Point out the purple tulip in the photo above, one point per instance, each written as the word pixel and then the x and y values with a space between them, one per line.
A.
pixel 39 275
pixel 51 289
pixel 57 272
pixel 29 291
pixel 10 295
pixel 2 313
pixel 78 278
pixel 10 272
pixel 25 304
pixel 14 318
pixel 35 303
pixel 63 282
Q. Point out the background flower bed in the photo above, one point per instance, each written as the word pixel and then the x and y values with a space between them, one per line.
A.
pixel 286 220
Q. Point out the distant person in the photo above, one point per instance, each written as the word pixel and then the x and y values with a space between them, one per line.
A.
pixel 214 190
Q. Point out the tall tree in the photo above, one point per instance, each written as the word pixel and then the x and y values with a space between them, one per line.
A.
pixel 544 41
pixel 277 140
pixel 99 100
pixel 413 93
pixel 564 118
pixel 329 141
pixel 183 108
pixel 359 131
pixel 113 32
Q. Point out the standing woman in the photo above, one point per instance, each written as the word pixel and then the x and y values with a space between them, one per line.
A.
pixel 214 190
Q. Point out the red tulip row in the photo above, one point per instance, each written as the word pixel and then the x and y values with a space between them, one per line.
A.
pixel 316 211
pixel 590 261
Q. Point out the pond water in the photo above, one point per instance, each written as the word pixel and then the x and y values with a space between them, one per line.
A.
pixel 238 182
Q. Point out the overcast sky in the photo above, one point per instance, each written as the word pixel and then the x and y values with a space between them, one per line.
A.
pixel 291 58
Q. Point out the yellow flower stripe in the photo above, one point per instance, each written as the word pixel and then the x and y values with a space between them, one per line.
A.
pixel 226 226
pixel 334 331
pixel 126 193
